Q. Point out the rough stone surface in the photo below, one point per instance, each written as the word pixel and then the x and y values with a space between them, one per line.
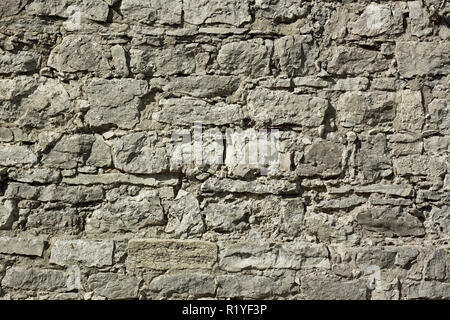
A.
pixel 87 252
pixel 27 247
pixel 171 254
pixel 224 149
pixel 114 286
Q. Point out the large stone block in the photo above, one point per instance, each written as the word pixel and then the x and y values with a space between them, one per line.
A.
pixel 184 216
pixel 226 217
pixel 356 61
pixel 78 53
pixel 252 286
pixel 96 10
pixel 186 111
pixel 171 254
pixel 420 165
pixel 427 290
pixel 269 107
pixel 377 19
pixel 16 155
pixel 358 108
pixel 390 221
pixel 233 12
pixel 20 62
pixel 261 256
pixel 162 62
pixel 115 102
pixel 439 111
pixel 51 193
pixel 153 11
pixel 331 289
pixel 23 278
pixel 114 286
pixel 323 158
pixel 251 58
pixel 22 246
pixel 35 102
pixel 410 113
pixel 419 18
pixel 69 152
pixel 131 213
pixel 295 55
pixel 282 10
pixel 183 283
pixel 91 253
pixel 60 220
pixel 422 58
pixel 137 153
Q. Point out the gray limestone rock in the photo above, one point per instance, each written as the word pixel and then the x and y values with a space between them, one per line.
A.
pixel 416 58
pixel 251 58
pixel 115 102
pixel 356 61
pixel 186 111
pixel 154 11
pixel 233 12
pixel 21 62
pixel 137 153
pixel 282 10
pixel 157 254
pixel 333 289
pixel 91 253
pixel 114 286
pixel 269 107
pixel 8 212
pixel 375 20
pixel 35 279
pixel 80 54
pixel 22 246
pixel 167 61
pixel 129 214
pixel 183 283
pixel 16 155
pixel 184 217
pixel 96 10
pixel 390 221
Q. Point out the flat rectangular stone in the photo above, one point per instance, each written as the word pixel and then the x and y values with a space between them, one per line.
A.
pixel 26 247
pixel 15 155
pixel 150 11
pixel 171 254
pixel 401 190
pixel 119 178
pixel 260 256
pixel 233 12
pixel 284 108
pixel 320 288
pixel 91 253
pixel 52 193
pixel 186 111
pixel 258 186
pixel 34 279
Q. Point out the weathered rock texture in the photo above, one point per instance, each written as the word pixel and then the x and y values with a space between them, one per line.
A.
pixel 93 204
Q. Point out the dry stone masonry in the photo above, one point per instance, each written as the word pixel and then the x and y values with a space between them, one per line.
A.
pixel 99 201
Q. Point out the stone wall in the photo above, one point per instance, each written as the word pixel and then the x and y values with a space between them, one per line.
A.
pixel 97 200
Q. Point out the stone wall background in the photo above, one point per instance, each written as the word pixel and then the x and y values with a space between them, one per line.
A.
pixel 92 205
